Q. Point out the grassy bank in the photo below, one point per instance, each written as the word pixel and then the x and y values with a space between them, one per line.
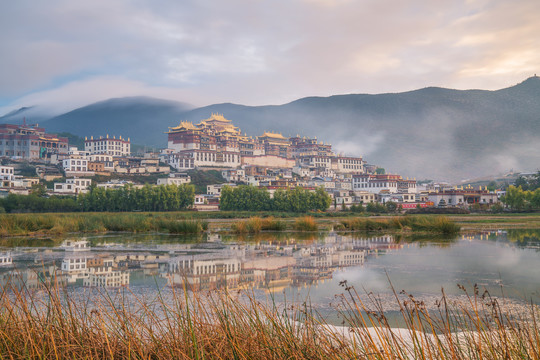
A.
pixel 249 222
pixel 56 224
pixel 256 224
pixel 438 224
pixel 237 326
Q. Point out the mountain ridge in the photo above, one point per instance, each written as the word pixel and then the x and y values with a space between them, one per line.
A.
pixel 430 132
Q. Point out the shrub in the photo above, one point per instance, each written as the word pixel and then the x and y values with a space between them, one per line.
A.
pixel 306 223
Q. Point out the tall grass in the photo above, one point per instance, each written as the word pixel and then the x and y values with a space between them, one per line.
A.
pixel 225 325
pixel 256 224
pixel 438 224
pixel 306 223
pixel 26 224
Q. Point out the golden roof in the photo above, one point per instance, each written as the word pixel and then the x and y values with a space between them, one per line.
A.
pixel 184 125
pixel 217 117
pixel 49 139
pixel 272 135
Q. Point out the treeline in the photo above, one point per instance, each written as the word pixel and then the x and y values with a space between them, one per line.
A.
pixel 128 198
pixel 528 184
pixel 250 198
pixel 36 203
pixel 147 198
pixel 521 200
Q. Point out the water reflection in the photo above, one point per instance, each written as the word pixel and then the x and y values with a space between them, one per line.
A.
pixel 277 262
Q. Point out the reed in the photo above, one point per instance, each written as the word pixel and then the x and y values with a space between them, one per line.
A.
pixel 438 224
pixel 252 225
pixel 306 223
pixel 29 224
pixel 50 322
pixel 272 224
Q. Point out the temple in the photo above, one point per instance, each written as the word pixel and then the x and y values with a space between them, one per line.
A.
pixel 216 142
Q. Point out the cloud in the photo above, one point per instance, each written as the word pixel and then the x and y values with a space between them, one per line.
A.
pixel 80 93
pixel 262 53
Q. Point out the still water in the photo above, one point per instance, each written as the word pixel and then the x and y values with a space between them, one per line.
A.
pixel 297 266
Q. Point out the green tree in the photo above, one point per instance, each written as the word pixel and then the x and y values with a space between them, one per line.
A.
pixel 390 206
pixel 514 198
pixel 38 190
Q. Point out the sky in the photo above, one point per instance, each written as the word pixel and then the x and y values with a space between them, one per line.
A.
pixel 65 54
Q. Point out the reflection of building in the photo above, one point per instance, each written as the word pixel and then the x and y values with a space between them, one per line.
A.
pixel 320 261
pixel 74 268
pixel 29 278
pixel 271 265
pixel 106 277
pixel 6 258
pixel 75 245
pixel 197 273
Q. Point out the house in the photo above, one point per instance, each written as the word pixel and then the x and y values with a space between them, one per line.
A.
pixel 215 189
pixel 463 197
pixel 72 186
pixel 205 202
pixel 30 142
pixel 76 163
pixel 175 179
pixel 110 146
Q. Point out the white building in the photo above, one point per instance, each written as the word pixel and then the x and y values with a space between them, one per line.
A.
pixel 111 146
pixel 175 179
pixel 375 183
pixel 316 161
pixel 234 175
pixel 347 165
pixel 178 161
pixel 76 163
pixel 73 186
pixel 6 173
pixel 106 159
pixel 215 189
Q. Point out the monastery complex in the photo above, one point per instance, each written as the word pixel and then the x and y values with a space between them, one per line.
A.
pixel 271 161
pixel 216 142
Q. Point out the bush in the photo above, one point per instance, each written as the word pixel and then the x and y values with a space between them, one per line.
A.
pixel 306 223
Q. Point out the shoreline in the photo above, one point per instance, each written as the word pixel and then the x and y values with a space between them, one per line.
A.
pixel 70 224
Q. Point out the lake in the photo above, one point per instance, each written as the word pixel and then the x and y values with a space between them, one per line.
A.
pixel 292 266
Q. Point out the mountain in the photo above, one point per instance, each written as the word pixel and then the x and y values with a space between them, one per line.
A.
pixel 143 119
pixel 431 133
pixel 33 115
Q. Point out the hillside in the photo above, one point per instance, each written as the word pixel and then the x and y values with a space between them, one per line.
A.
pixel 142 119
pixel 432 132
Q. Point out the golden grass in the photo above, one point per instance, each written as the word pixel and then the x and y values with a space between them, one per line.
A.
pixel 436 224
pixel 306 223
pixel 256 224
pixel 55 224
pixel 51 323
